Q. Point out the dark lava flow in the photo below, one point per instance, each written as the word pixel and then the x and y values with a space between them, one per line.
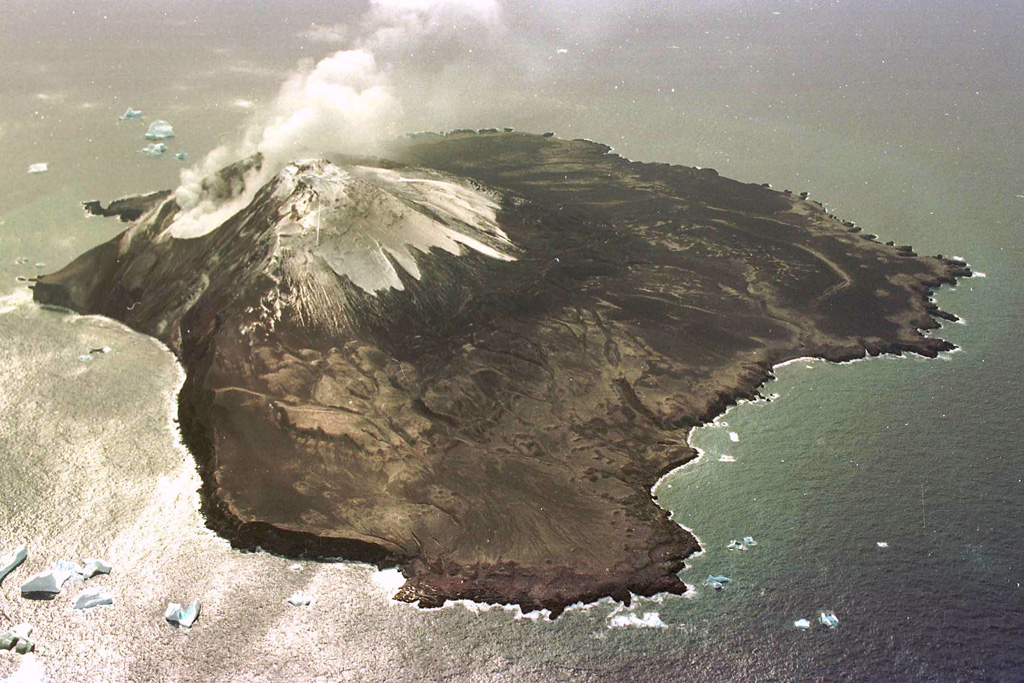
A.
pixel 493 427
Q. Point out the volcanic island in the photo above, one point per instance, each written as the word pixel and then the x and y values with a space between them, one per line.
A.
pixel 472 360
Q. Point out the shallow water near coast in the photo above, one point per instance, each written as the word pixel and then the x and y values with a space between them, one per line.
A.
pixel 922 455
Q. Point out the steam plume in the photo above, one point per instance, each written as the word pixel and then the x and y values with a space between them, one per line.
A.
pixel 347 102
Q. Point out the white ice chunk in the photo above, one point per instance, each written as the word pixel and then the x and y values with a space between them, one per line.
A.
pixel 46 585
pixel 749 540
pixel 10 561
pixel 22 630
pixel 154 149
pixel 131 115
pixel 734 437
pixel 184 617
pixel 94 566
pixel 717 582
pixel 882 544
pixel 92 597
pixel 300 599
pixel 802 624
pixel 159 130
pixel 828 619
pixel 39 168
pixel 726 458
pixel 181 156
pixel 736 545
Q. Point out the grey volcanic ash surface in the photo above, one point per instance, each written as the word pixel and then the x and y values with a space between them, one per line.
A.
pixel 475 360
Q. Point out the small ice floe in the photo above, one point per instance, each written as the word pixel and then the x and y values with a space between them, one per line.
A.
pixel 299 599
pixel 181 156
pixel 882 544
pixel 131 115
pixel 736 545
pixel 749 540
pixel 802 624
pixel 39 168
pixel 92 597
pixel 85 357
pixel 562 50
pixel 93 566
pixel 159 130
pixel 11 561
pixel 726 458
pixel 182 617
pixel 17 639
pixel 154 149
pixel 648 620
pixel 48 584
pixel 734 437
pixel 716 582
pixel 828 619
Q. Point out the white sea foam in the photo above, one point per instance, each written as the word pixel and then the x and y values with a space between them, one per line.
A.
pixel 390 580
pixel 648 620
pixel 12 301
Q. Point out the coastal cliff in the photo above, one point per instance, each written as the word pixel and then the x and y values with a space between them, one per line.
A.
pixel 474 360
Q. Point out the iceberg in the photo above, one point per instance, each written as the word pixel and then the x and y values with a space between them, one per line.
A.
pixel 882 544
pixel 749 540
pixel 92 565
pixel 736 545
pixel 48 584
pixel 39 168
pixel 131 115
pixel 828 619
pixel 92 597
pixel 10 561
pixel 155 149
pixel 717 582
pixel 802 624
pixel 17 639
pixel 159 130
pixel 181 156
pixel 300 599
pixel 176 615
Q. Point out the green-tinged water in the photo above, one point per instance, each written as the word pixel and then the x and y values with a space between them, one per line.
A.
pixel 904 119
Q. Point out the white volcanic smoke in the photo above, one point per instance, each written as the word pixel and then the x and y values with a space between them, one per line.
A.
pixel 344 103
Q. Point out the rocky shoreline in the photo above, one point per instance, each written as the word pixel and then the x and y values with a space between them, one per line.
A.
pixel 493 426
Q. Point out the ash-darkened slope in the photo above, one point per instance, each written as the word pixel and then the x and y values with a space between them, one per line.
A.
pixel 476 365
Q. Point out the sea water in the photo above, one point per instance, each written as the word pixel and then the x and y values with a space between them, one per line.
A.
pixel 922 455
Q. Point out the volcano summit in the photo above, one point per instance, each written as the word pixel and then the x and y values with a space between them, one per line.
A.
pixel 475 359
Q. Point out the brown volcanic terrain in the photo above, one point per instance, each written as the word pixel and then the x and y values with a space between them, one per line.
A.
pixel 494 426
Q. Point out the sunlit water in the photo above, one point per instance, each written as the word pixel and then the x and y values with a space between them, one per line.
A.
pixel 924 456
